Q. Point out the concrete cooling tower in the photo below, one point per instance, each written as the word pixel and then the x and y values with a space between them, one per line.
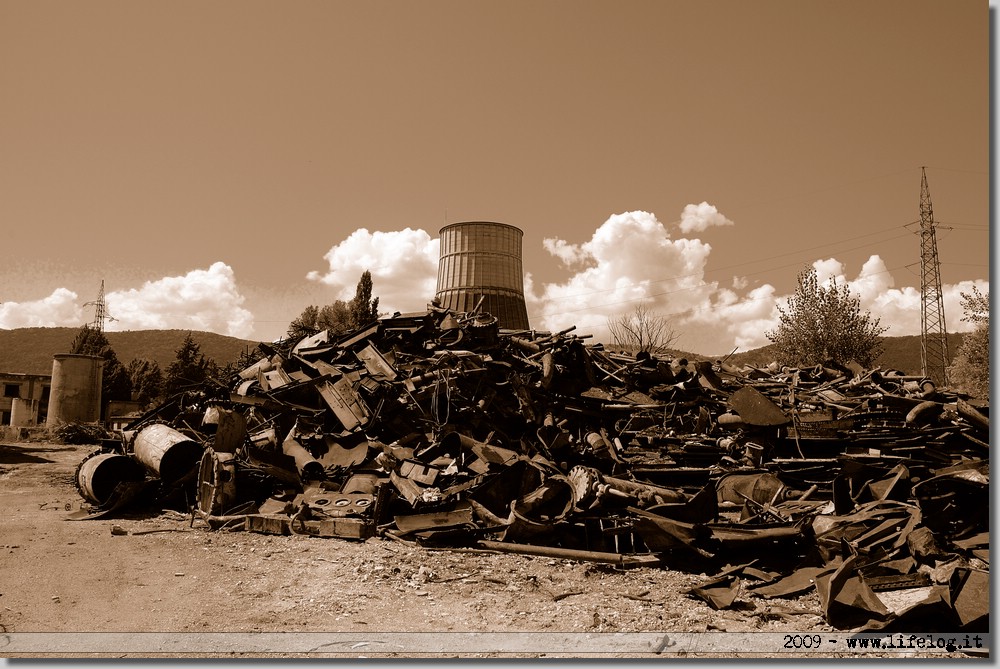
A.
pixel 482 260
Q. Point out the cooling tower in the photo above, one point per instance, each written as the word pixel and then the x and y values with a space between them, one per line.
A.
pixel 482 260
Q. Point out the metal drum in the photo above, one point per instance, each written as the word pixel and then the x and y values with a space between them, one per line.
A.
pixel 165 452
pixel 100 473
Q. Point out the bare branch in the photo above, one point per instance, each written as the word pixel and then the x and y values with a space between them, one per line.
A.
pixel 641 330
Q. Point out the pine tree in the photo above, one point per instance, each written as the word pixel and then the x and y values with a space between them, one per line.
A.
pixel 147 379
pixel 190 368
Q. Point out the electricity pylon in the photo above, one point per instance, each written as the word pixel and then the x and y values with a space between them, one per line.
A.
pixel 100 311
pixel 933 333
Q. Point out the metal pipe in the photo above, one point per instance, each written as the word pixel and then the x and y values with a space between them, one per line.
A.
pixel 569 553
pixel 309 468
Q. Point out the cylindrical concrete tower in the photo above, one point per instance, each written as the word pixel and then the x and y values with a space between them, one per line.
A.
pixel 23 412
pixel 482 260
pixel 75 396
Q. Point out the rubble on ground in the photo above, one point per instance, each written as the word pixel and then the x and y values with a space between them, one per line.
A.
pixel 440 429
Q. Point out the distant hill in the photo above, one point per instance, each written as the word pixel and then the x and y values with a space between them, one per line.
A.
pixel 30 350
pixel 900 353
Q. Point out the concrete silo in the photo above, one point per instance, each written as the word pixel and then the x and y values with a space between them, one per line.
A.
pixel 482 261
pixel 75 396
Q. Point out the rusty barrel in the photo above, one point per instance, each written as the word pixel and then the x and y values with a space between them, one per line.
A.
pixel 165 452
pixel 99 475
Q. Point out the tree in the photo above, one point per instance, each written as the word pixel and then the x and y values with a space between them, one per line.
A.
pixel 364 308
pixel 306 324
pixel 147 379
pixel 641 330
pixel 190 368
pixel 970 370
pixel 339 317
pixel 115 382
pixel 824 322
pixel 336 318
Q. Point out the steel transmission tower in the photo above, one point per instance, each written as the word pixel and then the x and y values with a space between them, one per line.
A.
pixel 100 311
pixel 933 333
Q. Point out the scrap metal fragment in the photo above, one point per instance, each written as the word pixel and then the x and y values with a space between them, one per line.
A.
pixel 756 409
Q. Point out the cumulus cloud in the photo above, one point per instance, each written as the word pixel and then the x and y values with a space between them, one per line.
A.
pixel 898 309
pixel 728 320
pixel 630 258
pixel 570 254
pixel 202 299
pixel 700 217
pixel 60 309
pixel 403 265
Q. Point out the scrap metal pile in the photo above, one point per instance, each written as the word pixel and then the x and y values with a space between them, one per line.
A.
pixel 441 429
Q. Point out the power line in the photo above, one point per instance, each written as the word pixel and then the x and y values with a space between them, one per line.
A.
pixel 950 169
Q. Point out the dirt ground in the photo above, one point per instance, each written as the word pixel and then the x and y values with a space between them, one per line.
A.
pixel 159 573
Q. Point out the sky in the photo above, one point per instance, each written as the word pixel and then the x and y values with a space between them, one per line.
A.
pixel 222 165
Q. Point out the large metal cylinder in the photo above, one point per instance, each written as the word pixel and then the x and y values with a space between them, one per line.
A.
pixel 99 474
pixel 165 452
pixel 482 261
pixel 75 396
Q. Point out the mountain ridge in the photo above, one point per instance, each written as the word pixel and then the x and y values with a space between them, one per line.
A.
pixel 30 350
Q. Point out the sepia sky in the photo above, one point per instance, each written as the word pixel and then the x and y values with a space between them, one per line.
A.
pixel 222 165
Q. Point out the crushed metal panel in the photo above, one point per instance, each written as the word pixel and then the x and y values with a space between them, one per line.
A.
pixel 419 472
pixel 358 336
pixel 315 341
pixel 341 456
pixel 970 597
pixel 376 363
pixel 244 387
pixel 460 516
pixel 342 528
pixel 718 593
pixel 275 378
pixel 756 409
pixel 344 402
pixel 251 373
pixel 847 600
pixel 325 368
pixel 269 523
pixel 407 489
pixel 796 583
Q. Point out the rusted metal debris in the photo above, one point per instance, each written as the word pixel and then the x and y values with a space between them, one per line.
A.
pixel 441 429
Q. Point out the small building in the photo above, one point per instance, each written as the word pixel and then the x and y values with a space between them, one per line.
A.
pixel 120 413
pixel 25 399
